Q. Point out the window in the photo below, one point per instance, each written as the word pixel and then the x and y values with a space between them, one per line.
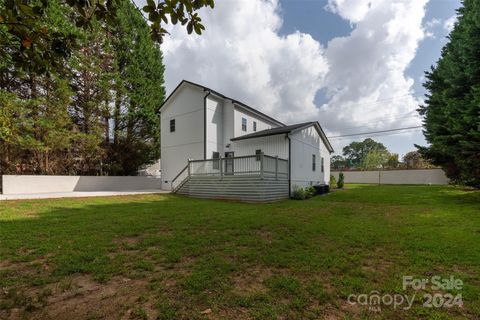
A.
pixel 322 164
pixel 258 152
pixel 172 125
pixel 216 163
pixel 244 124
pixel 254 125
pixel 313 163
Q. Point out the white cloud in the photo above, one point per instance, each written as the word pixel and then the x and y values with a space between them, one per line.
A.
pixel 432 23
pixel 367 78
pixel 450 23
pixel 352 10
pixel 242 54
pixel 430 26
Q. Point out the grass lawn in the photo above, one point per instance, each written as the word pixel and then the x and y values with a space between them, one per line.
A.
pixel 171 257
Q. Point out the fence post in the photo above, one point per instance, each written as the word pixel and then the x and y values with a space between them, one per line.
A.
pixel 276 167
pixel 221 168
pixel 261 165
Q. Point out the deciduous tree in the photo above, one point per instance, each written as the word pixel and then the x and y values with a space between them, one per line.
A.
pixel 356 152
pixel 36 45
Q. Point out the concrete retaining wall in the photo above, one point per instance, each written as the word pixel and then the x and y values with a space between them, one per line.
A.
pixel 27 184
pixel 427 176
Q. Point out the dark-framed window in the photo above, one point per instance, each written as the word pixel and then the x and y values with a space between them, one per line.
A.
pixel 322 163
pixel 314 163
pixel 172 125
pixel 254 125
pixel 216 163
pixel 244 124
pixel 258 152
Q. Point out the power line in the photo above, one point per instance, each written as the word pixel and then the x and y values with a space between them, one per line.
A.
pixel 373 132
pixel 380 120
pixel 382 134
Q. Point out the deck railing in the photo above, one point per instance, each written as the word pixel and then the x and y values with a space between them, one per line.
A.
pixel 256 165
pixel 180 179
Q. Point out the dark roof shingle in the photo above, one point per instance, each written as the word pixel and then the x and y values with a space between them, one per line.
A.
pixel 285 130
pixel 273 131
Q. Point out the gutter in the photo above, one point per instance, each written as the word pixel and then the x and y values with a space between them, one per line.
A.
pixel 205 125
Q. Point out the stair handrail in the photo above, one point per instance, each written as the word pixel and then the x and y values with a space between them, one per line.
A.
pixel 178 175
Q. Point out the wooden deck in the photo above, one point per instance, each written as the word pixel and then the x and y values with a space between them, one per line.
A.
pixel 256 178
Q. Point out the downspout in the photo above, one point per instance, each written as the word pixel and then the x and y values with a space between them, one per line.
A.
pixel 289 165
pixel 205 125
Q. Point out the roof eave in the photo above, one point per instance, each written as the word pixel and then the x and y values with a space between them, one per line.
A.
pixel 241 104
pixel 258 136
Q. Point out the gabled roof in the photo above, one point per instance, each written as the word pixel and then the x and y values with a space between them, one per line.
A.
pixel 273 131
pixel 238 103
pixel 287 130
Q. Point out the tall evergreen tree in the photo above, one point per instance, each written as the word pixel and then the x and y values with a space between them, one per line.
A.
pixel 452 108
pixel 36 124
pixel 96 114
pixel 139 93
pixel 92 74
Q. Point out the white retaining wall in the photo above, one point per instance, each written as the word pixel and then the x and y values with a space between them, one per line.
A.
pixel 421 176
pixel 27 184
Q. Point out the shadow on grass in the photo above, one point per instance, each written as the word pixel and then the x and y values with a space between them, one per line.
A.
pixel 347 240
pixel 83 235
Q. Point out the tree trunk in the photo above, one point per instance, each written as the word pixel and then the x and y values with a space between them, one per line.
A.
pixel 116 119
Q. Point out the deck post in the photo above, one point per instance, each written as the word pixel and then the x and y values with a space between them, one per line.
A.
pixel 276 167
pixel 221 169
pixel 188 165
pixel 261 165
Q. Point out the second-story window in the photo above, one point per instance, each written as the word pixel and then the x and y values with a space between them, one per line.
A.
pixel 172 125
pixel 314 164
pixel 244 124
pixel 323 167
pixel 254 125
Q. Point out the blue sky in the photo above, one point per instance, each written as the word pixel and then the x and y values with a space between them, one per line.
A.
pixel 353 65
pixel 310 16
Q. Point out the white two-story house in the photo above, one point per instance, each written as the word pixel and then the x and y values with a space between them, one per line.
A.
pixel 225 138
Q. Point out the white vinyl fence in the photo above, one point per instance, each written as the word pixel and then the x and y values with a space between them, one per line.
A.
pixel 28 184
pixel 414 176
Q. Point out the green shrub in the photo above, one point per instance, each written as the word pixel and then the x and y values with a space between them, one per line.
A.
pixel 303 193
pixel 341 180
pixel 333 182
pixel 311 192
pixel 299 194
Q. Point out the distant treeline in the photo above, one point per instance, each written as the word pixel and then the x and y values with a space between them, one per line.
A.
pixel 95 112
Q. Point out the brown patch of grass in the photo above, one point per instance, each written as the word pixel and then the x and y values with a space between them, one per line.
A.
pixel 80 297
pixel 251 281
pixel 26 268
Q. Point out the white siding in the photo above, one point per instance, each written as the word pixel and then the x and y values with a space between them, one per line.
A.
pixel 304 144
pixel 325 153
pixel 214 126
pixel 228 123
pixel 224 122
pixel 240 113
pixel 276 145
pixel 186 107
